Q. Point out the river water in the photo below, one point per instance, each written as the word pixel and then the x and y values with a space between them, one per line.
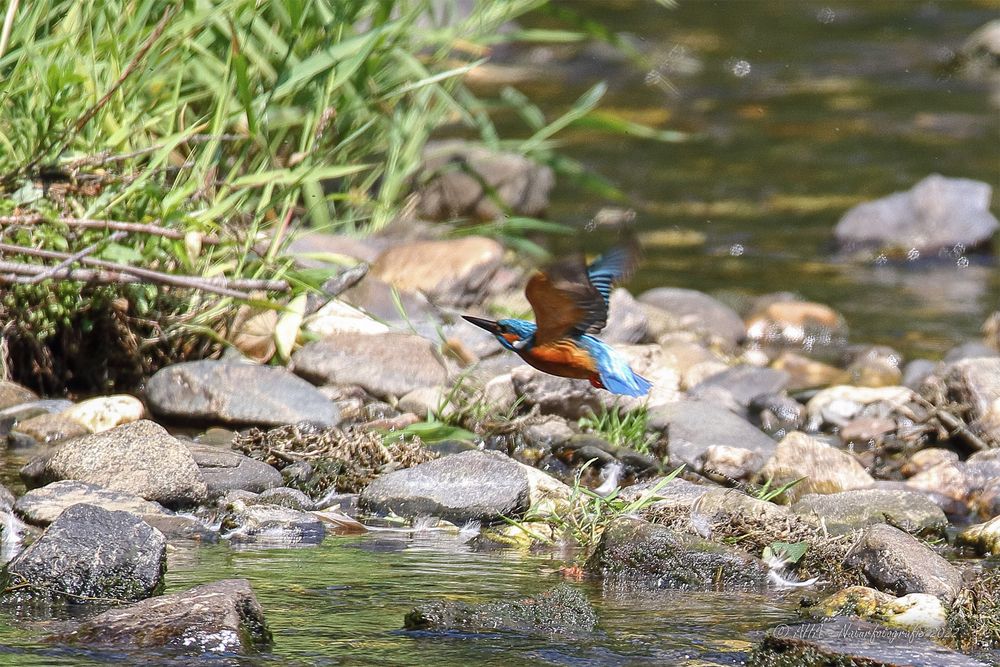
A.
pixel 803 108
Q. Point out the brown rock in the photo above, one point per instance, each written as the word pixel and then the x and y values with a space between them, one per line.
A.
pixel 450 271
pixel 823 469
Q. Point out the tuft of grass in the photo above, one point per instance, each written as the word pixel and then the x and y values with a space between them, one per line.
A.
pixel 621 428
pixel 768 493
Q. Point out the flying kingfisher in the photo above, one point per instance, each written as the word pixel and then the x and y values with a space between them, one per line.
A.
pixel 570 302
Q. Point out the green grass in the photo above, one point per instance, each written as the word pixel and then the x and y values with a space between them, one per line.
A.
pixel 621 428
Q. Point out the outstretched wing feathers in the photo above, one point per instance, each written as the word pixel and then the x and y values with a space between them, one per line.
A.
pixel 569 297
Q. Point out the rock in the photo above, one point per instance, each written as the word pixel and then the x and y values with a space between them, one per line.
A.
pixel 451 271
pixel 979 56
pixel 140 458
pixel 338 317
pixel 976 383
pixel 41 507
pixel 636 555
pixel 838 405
pixel 470 486
pixel 926 459
pixel 736 387
pixel 454 173
pixel 947 479
pixel 387 304
pixel 106 412
pixel 822 468
pixel 873 366
pixel 938 213
pixel 425 401
pixel 224 470
pixel 222 617
pixel 547 433
pixel 783 321
pixel 680 309
pixel 235 393
pixel 562 610
pixel 46 429
pixel 915 612
pixel 12 394
pixel 286 497
pixel 388 365
pixel 777 414
pixel 991 332
pixel 984 537
pixel 321 244
pixel 270 525
pixel 692 427
pixel 806 373
pixel 677 494
pixel 898 563
pixel 848 641
pixel 693 362
pixel 915 372
pixel 176 527
pixel 92 552
pixel 971 350
pixel 627 321
pixel 849 510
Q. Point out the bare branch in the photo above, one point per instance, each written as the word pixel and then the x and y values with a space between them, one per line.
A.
pixel 118 225
pixel 75 257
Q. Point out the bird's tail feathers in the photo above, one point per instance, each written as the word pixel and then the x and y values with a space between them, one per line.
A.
pixel 628 384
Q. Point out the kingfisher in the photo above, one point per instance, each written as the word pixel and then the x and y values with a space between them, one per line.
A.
pixel 570 303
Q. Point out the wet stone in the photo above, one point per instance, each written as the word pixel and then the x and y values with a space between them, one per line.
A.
pixel 95 553
pixel 41 507
pixel 270 525
pixel 562 610
pixel 223 617
pixel 636 555
pixel 898 563
pixel 236 393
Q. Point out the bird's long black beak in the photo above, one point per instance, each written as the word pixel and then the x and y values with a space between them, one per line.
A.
pixel 489 325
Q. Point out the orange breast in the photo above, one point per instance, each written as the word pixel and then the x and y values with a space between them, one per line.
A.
pixel 561 358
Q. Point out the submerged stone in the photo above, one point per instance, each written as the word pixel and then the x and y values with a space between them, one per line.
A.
pixel 562 610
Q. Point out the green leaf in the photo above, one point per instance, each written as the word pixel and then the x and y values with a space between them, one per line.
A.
pixel 790 552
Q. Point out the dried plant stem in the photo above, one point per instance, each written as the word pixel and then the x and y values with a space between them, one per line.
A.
pixel 75 257
pixel 118 225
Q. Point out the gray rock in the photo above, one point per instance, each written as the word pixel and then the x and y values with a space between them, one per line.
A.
pixel 46 429
pixel 627 319
pixel 91 552
pixel 385 365
pixel 140 458
pixel 222 617
pixel 819 467
pixel 937 213
pixel 849 641
pixel 271 525
pixel 636 555
pixel 41 507
pixel 898 563
pixel 970 350
pixel 234 393
pixel 455 171
pixel 916 371
pixel 690 310
pixel 692 427
pixel 224 470
pixel 563 610
pixel 676 494
pixel 473 485
pixel 736 387
pixel 548 432
pixel 6 498
pixel 177 527
pixel 843 512
pixel 777 414
pixel 382 301
pixel 286 497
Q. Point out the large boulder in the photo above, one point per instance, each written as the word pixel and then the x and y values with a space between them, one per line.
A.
pixel 843 512
pixel 819 467
pixel 938 213
pixel 898 563
pixel 222 617
pixel 386 365
pixel 677 309
pixel 703 436
pixel 89 552
pixel 636 555
pixel 237 393
pixel 451 271
pixel 469 486
pixel 140 458
pixel 466 180
pixel 41 507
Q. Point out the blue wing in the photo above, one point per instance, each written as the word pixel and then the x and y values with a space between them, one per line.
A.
pixel 614 265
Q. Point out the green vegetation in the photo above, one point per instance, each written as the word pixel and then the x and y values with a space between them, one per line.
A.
pixel 622 428
pixel 221 127
pixel 769 493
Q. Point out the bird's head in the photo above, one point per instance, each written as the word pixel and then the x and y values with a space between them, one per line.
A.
pixel 513 334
